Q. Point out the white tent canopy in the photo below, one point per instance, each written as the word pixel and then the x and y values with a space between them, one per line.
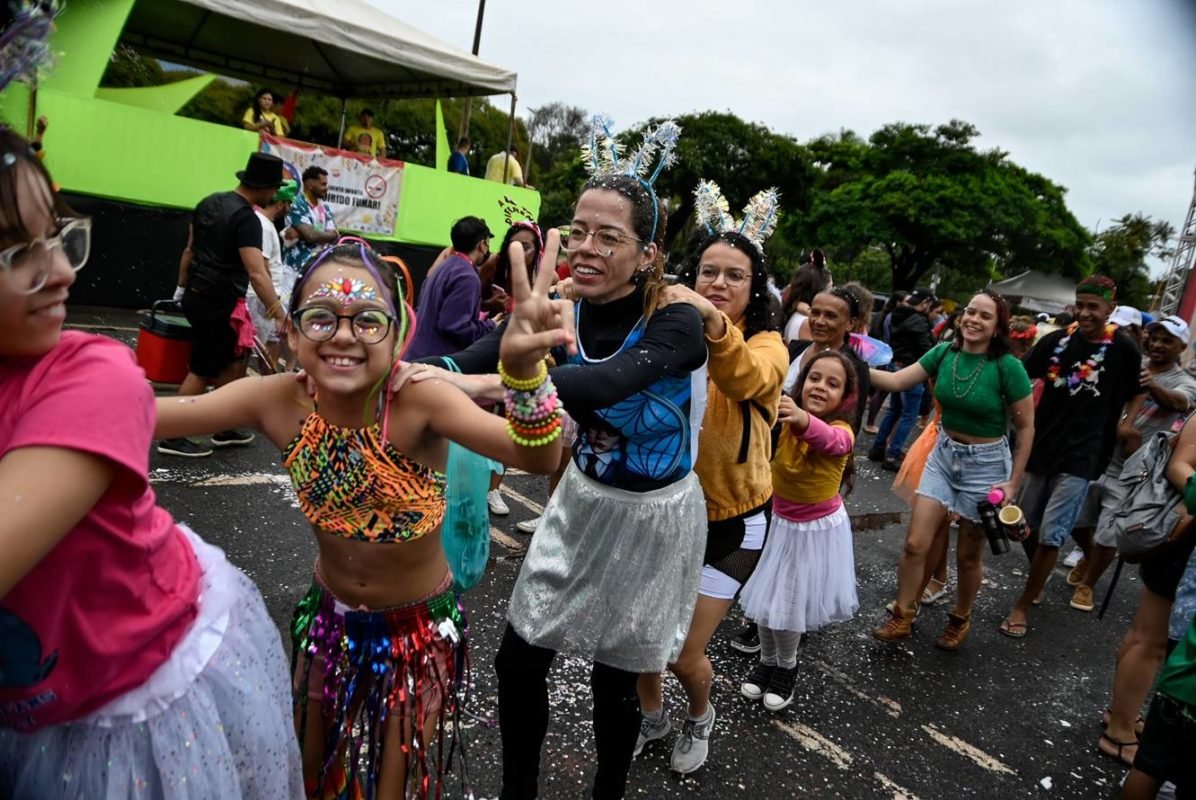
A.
pixel 1038 291
pixel 346 48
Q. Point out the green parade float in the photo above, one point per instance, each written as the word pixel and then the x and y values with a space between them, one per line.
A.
pixel 127 158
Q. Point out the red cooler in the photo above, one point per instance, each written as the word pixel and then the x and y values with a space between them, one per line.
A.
pixel 164 343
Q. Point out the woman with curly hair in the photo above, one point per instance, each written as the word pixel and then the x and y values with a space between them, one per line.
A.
pixel 980 386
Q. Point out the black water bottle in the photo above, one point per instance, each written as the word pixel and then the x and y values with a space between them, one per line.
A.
pixel 997 540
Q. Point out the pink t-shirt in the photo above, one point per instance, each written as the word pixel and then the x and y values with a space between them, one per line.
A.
pixel 109 603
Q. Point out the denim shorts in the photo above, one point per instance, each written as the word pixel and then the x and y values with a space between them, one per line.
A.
pixel 1052 503
pixel 960 475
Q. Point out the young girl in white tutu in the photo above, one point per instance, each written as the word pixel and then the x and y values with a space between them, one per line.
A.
pixel 806 576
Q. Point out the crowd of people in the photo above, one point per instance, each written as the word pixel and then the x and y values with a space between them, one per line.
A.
pixel 708 427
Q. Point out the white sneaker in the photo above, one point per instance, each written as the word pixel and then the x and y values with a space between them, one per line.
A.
pixel 498 506
pixel 528 525
pixel 693 745
pixel 1073 557
pixel 651 731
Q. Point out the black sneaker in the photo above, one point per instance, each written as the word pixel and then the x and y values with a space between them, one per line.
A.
pixel 757 681
pixel 876 455
pixel 780 689
pixel 747 640
pixel 187 448
pixel 232 438
pixel 891 465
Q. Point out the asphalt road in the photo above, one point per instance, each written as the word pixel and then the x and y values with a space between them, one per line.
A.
pixel 1000 719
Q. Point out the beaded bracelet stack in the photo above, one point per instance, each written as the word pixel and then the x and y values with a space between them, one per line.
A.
pixel 533 408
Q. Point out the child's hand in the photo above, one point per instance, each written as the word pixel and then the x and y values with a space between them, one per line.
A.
pixel 789 414
pixel 564 289
pixel 475 386
pixel 537 323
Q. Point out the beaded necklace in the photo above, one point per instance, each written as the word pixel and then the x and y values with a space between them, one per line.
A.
pixel 970 380
pixel 1082 376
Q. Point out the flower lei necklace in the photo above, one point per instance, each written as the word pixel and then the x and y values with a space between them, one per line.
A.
pixel 1083 376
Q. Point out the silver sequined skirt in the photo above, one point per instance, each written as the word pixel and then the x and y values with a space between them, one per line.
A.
pixel 613 575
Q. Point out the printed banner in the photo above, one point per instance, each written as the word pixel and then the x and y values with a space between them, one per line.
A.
pixel 363 191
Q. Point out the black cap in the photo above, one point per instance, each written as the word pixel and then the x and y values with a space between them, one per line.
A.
pixel 262 171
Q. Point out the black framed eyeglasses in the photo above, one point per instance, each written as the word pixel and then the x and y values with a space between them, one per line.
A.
pixel 320 324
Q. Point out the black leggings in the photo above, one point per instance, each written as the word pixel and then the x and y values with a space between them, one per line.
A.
pixel 523 719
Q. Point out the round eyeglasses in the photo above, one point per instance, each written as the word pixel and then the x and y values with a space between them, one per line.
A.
pixel 732 277
pixel 321 324
pixel 605 240
pixel 28 265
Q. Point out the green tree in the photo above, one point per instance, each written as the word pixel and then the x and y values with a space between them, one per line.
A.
pixel 128 69
pixel 742 158
pixel 1120 252
pixel 556 131
pixel 930 199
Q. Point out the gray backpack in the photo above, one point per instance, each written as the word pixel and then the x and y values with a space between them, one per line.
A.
pixel 1147 516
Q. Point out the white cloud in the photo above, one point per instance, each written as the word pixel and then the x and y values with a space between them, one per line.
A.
pixel 1098 95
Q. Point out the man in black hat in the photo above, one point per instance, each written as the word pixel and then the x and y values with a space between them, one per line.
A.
pixel 450 301
pixel 222 258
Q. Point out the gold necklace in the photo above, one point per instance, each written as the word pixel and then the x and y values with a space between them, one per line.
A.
pixel 970 379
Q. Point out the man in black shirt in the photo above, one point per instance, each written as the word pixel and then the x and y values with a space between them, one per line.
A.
pixel 910 339
pixel 1090 372
pixel 223 256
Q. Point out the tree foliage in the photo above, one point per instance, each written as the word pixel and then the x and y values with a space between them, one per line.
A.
pixel 930 199
pixel 743 158
pixel 908 205
pixel 1120 252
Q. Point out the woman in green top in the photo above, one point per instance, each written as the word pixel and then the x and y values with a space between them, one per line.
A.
pixel 981 387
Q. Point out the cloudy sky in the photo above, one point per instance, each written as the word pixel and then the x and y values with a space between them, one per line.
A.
pixel 1098 95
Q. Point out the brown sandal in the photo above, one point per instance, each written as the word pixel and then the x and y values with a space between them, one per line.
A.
pixel 957 630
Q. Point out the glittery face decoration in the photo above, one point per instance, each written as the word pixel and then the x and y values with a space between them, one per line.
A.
pixel 345 290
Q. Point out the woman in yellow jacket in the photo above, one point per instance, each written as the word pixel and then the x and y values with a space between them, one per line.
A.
pixel 747 363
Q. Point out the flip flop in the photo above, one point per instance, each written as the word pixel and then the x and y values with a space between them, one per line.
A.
pixel 1119 756
pixel 1014 630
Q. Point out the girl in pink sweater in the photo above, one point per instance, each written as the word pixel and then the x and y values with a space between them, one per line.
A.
pixel 806 576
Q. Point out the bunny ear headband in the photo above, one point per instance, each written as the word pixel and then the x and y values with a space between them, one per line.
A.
pixel 600 155
pixel 759 215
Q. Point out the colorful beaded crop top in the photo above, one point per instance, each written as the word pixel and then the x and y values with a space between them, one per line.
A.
pixel 353 483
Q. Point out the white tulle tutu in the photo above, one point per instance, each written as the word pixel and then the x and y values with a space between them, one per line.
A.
pixel 214 721
pixel 806 577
